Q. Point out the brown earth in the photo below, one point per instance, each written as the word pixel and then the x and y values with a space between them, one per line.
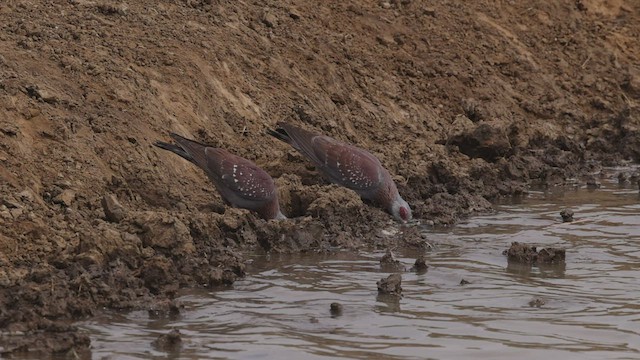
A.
pixel 464 102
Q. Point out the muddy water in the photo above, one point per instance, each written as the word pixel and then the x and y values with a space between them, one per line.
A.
pixel 588 309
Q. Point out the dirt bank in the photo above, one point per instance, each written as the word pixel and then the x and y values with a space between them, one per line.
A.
pixel 463 101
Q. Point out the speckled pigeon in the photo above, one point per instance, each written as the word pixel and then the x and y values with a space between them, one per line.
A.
pixel 347 165
pixel 241 183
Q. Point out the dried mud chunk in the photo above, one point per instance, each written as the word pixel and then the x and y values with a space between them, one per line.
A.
pixel 65 198
pixel 622 178
pixel 269 20
pixel 335 309
pixel 521 253
pixel 551 256
pixel 112 9
pixel 113 210
pixel 526 254
pixel 163 232
pixel 537 302
pixel 486 141
pixel 388 261
pixel 169 342
pixel 392 285
pixel 567 215
pixel 156 273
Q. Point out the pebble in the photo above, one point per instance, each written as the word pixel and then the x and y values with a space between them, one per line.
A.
pixel 537 302
pixel 567 215
pixel 65 198
pixel 392 285
pixel 336 309
pixel 113 210
pixel 169 342
pixel 294 14
pixel 592 183
pixel 269 20
pixel 389 260
pixel 26 195
pixel 420 265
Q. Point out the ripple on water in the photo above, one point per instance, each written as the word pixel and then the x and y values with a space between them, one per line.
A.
pixel 590 307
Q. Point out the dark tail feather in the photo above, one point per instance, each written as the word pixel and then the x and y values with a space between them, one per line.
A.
pixel 280 134
pixel 173 148
pixel 186 148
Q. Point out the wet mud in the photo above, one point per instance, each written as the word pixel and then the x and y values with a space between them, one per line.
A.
pixel 464 103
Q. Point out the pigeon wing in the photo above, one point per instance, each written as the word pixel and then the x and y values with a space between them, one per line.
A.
pixel 347 165
pixel 239 176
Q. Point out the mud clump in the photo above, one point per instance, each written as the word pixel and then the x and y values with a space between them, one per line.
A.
pixel 566 215
pixel 537 302
pixel 389 263
pixel 420 266
pixel 170 342
pixel 113 210
pixel 527 254
pixel 391 285
pixel 336 309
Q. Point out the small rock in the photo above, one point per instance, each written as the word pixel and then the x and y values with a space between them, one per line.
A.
pixel 526 254
pixel 429 11
pixel 9 129
pixel 592 183
pixel 567 215
pixel 15 213
pixel 385 5
pixel 26 195
pixel 112 9
pixel 391 285
pixel 388 261
pixel 164 308
pixel 464 282
pixel 294 14
pixel 551 256
pixel 420 266
pixel 385 40
pixel 537 302
pixel 269 20
pixel 5 213
pixel 169 342
pixel 622 178
pixel 632 84
pixel 113 210
pixel 41 94
pixel 11 203
pixel 65 198
pixel 335 309
pixel 63 184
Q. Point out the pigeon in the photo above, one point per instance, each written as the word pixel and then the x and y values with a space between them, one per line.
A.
pixel 240 182
pixel 348 166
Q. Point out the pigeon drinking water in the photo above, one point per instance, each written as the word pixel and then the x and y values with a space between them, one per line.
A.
pixel 348 166
pixel 240 182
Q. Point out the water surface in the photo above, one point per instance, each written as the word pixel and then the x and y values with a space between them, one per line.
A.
pixel 590 307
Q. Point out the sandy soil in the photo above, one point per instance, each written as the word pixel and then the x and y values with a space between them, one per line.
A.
pixel 464 102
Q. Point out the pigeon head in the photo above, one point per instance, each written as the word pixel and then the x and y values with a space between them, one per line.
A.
pixel 401 210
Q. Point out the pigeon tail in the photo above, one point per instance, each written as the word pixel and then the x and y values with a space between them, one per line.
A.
pixel 280 134
pixel 186 148
pixel 174 149
pixel 300 139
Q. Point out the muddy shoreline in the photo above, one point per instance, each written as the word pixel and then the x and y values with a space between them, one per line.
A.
pixel 463 103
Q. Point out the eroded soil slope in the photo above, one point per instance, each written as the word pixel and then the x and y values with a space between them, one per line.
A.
pixel 463 101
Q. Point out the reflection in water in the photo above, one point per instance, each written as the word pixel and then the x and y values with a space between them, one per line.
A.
pixel 588 309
